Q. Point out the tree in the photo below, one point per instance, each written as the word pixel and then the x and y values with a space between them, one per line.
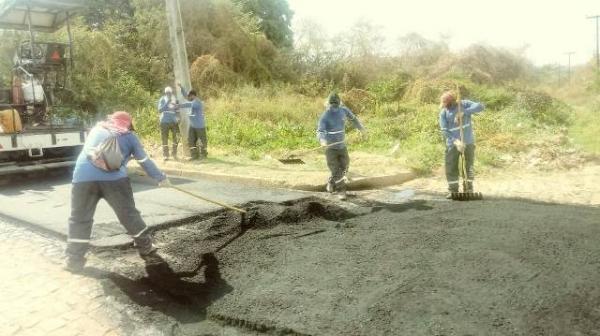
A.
pixel 275 19
pixel 417 51
pixel 364 40
pixel 99 12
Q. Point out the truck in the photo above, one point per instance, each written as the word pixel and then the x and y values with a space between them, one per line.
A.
pixel 40 125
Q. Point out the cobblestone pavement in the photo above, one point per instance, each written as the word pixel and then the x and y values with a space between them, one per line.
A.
pixel 39 297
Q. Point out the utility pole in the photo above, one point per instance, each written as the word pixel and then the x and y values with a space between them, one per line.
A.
pixel 180 61
pixel 596 17
pixel 569 67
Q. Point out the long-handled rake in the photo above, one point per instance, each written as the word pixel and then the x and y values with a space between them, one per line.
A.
pixel 227 206
pixel 294 159
pixel 465 195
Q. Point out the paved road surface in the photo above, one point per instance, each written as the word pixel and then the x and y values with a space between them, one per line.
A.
pixel 45 204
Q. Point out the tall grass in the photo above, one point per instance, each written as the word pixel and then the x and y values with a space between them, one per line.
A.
pixel 586 128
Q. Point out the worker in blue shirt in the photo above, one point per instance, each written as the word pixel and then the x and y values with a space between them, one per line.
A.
pixel 169 122
pixel 91 183
pixel 331 134
pixel 450 127
pixel 197 132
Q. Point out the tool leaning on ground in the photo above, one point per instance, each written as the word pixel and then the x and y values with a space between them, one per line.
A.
pixel 241 211
pixel 465 195
pixel 293 159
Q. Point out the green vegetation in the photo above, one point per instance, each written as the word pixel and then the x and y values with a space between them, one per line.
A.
pixel 264 94
pixel 586 128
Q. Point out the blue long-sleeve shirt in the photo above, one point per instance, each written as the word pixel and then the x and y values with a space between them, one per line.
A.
pixel 196 114
pixel 331 127
pixel 168 115
pixel 130 147
pixel 451 130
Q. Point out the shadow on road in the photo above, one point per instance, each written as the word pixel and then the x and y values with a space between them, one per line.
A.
pixel 376 206
pixel 17 184
pixel 419 205
pixel 165 290
pixel 53 181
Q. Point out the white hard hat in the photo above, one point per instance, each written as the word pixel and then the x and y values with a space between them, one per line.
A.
pixel 168 89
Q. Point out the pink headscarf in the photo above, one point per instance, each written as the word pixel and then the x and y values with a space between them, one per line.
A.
pixel 118 122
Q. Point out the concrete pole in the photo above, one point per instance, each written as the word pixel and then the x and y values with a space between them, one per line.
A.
pixel 180 63
pixel 569 68
pixel 596 17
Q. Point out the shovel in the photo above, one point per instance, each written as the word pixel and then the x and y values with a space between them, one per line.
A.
pixel 294 159
pixel 464 196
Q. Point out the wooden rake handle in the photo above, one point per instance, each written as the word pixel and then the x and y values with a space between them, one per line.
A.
pixel 209 200
pixel 304 151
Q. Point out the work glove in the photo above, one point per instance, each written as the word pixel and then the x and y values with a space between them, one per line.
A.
pixel 166 183
pixel 460 146
pixel 323 142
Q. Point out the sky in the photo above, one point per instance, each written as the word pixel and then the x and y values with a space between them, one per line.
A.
pixel 549 28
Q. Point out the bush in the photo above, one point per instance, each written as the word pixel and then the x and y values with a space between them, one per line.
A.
pixel 389 90
pixel 494 98
pixel 543 108
pixel 429 91
pixel 359 101
pixel 208 73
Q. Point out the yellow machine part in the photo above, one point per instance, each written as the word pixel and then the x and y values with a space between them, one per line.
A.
pixel 10 121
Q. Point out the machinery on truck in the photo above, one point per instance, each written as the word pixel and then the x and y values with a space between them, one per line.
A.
pixel 40 128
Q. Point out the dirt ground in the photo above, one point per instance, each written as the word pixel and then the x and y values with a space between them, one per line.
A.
pixel 579 185
pixel 559 178
pixel 423 267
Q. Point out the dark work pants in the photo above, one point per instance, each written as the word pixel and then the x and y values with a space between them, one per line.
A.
pixel 164 134
pixel 119 195
pixel 197 142
pixel 338 162
pixel 452 167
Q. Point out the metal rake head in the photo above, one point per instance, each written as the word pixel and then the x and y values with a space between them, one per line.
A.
pixel 467 196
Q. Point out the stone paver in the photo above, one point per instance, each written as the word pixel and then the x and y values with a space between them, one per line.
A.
pixel 40 298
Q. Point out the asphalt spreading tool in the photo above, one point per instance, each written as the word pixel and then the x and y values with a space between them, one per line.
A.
pixel 241 211
pixel 466 195
pixel 294 159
